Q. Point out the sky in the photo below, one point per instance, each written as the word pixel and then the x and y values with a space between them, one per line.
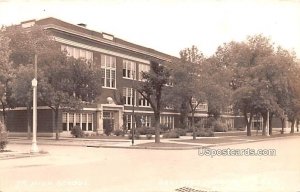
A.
pixel 171 25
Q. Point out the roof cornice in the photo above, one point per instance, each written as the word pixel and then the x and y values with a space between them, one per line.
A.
pixel 97 39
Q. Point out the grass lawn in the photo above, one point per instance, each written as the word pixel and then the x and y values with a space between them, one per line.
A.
pixel 231 139
pixel 152 144
pixel 106 137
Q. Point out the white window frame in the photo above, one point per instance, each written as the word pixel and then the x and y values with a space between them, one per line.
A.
pixel 143 102
pixel 108 66
pixel 129 119
pixel 77 52
pixel 129 96
pixel 147 120
pixel 129 67
pixel 78 118
pixel 143 68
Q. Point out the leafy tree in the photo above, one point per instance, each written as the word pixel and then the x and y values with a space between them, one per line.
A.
pixel 62 82
pixel 24 44
pixel 70 84
pixel 187 89
pixel 245 59
pixel 6 74
pixel 152 88
pixel 22 90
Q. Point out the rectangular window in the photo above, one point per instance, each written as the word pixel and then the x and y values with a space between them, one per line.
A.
pixel 108 71
pixel 64 121
pixel 90 122
pixel 143 102
pixel 77 52
pixel 128 96
pixel 129 68
pixel 146 121
pixel 84 120
pixel 130 122
pixel 167 121
pixel 143 68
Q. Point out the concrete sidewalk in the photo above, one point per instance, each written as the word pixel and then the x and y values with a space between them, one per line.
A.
pixel 184 141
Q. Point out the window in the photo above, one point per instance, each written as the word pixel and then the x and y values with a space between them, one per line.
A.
pixel 84 120
pixel 130 122
pixel 146 121
pixel 143 102
pixel 201 106
pixel 143 68
pixel 129 69
pixel 108 71
pixel 77 53
pixel 167 121
pixel 128 96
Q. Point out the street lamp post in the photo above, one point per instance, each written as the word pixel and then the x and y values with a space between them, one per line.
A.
pixel 34 147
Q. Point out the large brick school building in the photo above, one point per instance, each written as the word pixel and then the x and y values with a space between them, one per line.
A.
pixel 121 63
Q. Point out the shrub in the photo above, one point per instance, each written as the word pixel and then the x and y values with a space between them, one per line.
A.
pixel 77 132
pixel 146 130
pixel 151 130
pixel 205 133
pixel 189 130
pixel 119 132
pixel 171 134
pixel 108 130
pixel 137 135
pixel 181 132
pixel 220 127
pixel 149 136
pixel 3 136
pixel 142 130
pixel 164 128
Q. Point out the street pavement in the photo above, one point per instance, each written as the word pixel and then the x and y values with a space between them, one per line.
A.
pixel 75 168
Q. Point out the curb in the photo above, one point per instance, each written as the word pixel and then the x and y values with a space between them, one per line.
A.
pixel 158 148
pixel 192 147
pixel 21 155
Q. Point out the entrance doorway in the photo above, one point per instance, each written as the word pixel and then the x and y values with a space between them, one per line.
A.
pixel 108 122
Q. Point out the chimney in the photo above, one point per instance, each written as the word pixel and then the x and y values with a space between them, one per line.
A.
pixel 82 25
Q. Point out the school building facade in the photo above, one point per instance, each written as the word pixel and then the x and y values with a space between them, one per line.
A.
pixel 122 64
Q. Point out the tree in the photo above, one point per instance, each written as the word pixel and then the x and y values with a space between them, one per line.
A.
pixel 22 90
pixel 69 84
pixel 186 93
pixel 187 89
pixel 62 82
pixel 6 73
pixel 152 88
pixel 245 59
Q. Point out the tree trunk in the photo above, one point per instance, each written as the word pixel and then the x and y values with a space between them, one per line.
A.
pixel 282 125
pixel 4 115
pixel 297 125
pixel 248 123
pixel 157 127
pixel 293 126
pixel 28 121
pixel 56 123
pixel 193 125
pixel 264 128
pixel 270 124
